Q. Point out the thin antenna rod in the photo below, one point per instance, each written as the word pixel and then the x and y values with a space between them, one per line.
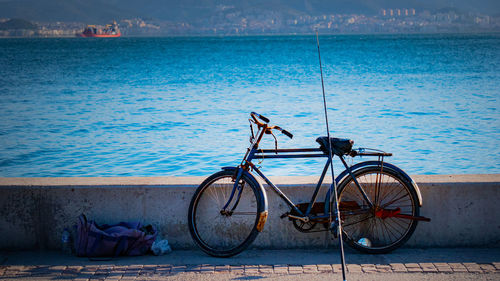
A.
pixel 337 222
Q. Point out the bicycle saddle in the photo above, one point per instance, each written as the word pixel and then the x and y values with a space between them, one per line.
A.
pixel 339 146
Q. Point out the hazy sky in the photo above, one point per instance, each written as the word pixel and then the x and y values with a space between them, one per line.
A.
pixel 188 10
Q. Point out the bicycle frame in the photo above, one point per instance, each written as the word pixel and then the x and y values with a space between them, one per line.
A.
pixel 253 152
pixel 275 154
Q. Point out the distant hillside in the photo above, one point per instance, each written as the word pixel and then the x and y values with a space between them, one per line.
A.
pixel 63 10
pixel 17 24
pixel 196 11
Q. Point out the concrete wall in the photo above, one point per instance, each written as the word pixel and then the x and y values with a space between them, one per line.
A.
pixel 465 209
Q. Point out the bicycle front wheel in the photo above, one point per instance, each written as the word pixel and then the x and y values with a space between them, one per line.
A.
pixel 225 232
pixel 386 225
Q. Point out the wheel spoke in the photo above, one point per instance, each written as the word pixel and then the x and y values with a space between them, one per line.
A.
pixel 356 222
pixel 387 191
pixel 394 200
pixel 219 233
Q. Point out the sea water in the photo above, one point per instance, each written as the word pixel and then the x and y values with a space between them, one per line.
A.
pixel 180 106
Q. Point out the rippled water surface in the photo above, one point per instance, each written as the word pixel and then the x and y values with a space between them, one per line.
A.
pixel 179 106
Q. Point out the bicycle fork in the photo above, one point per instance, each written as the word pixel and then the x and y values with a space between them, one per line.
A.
pixel 238 187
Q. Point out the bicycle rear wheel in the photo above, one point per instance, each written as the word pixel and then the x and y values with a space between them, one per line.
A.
pixel 224 233
pixel 385 226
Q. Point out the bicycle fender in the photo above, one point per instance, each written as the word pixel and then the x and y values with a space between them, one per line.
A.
pixel 360 165
pixel 263 199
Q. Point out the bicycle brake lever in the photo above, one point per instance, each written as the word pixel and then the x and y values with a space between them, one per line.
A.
pixel 275 142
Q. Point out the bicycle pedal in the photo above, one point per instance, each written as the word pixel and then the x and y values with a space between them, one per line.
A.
pixel 284 215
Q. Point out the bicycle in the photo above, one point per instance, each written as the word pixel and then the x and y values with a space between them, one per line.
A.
pixel 379 203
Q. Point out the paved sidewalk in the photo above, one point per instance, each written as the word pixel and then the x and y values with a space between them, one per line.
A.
pixel 320 264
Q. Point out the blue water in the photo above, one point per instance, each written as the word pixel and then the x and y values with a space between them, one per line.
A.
pixel 179 106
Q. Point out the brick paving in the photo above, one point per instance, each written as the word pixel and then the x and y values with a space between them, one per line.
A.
pixel 222 268
pixel 352 268
pixel 458 267
pixel 383 268
pixel 281 269
pixel 237 269
pixel 295 269
pixel 413 267
pixel 496 265
pixel 266 269
pixel 398 267
pixel 150 272
pixel 325 268
pixel 369 268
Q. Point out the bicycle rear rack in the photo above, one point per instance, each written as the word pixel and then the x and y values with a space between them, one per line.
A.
pixel 363 151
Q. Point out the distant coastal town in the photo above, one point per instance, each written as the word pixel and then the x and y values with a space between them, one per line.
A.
pixel 228 22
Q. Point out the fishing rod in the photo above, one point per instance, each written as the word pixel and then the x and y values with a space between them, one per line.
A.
pixel 336 225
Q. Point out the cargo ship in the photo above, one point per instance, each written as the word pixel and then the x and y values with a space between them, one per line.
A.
pixel 110 30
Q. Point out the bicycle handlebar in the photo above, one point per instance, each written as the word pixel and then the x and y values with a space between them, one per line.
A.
pixel 283 131
pixel 287 133
pixel 266 120
pixel 263 118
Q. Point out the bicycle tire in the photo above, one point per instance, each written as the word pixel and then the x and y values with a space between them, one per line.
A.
pixel 221 235
pixel 367 230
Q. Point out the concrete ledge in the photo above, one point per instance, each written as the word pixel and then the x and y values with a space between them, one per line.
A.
pixel 34 211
